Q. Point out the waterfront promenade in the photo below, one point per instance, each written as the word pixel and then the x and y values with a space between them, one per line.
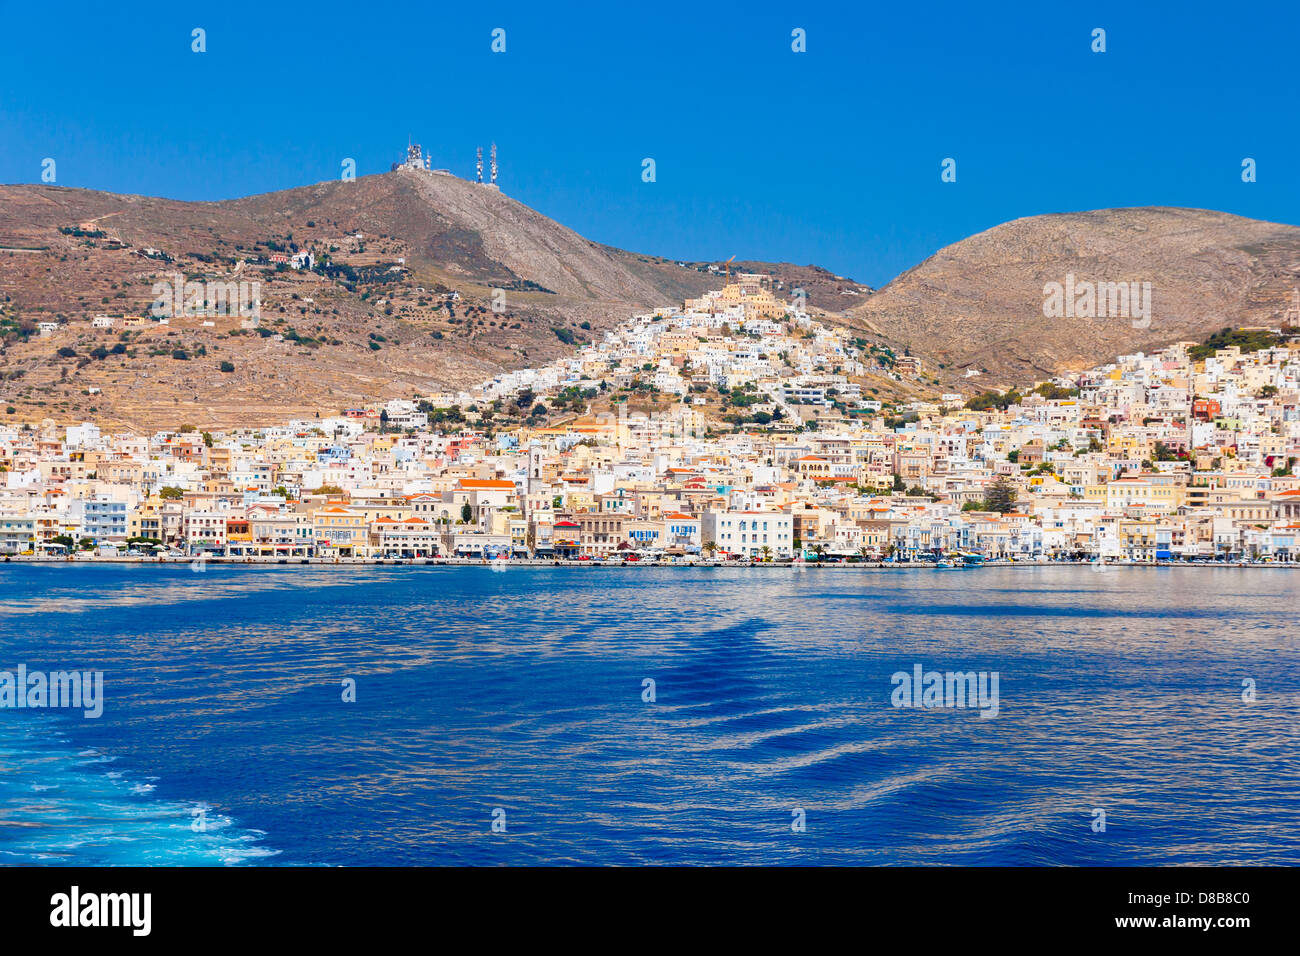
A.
pixel 504 564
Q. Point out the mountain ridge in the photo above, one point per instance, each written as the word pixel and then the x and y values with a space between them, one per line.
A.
pixel 428 282
pixel 526 287
pixel 978 303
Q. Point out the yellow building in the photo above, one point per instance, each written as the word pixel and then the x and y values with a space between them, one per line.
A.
pixel 754 293
pixel 1126 445
pixel 1137 539
pixel 1156 497
pixel 339 531
pixel 145 520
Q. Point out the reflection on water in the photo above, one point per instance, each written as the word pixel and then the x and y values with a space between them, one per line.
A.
pixel 524 691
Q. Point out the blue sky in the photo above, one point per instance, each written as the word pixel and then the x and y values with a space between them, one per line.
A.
pixel 831 156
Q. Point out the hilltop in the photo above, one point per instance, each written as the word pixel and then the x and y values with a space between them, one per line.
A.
pixel 978 304
pixel 409 266
pixel 419 282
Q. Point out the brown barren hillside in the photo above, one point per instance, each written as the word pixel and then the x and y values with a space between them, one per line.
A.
pixel 425 282
pixel 434 282
pixel 978 304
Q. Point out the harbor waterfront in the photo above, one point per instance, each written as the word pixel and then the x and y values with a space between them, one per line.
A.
pixel 702 433
pixel 503 562
pixel 426 714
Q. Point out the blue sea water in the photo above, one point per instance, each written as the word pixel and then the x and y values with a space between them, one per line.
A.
pixel 522 693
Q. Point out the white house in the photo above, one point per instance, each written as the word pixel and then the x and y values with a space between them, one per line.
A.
pixel 749 532
pixel 204 530
pixel 682 531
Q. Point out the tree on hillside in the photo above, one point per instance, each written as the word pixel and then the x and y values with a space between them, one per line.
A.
pixel 1000 496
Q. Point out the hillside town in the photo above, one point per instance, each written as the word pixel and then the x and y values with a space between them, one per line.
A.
pixel 734 428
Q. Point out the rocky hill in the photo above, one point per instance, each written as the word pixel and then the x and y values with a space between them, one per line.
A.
pixel 420 282
pixel 978 305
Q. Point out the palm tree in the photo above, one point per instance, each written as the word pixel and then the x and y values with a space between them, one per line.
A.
pixel 767 553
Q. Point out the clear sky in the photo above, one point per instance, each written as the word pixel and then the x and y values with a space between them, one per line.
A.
pixel 831 156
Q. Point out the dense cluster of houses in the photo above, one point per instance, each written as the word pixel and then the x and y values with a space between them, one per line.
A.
pixel 1178 455
pixel 739 337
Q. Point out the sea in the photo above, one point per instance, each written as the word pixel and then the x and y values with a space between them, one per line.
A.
pixel 381 715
